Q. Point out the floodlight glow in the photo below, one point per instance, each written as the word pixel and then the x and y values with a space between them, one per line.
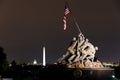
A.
pixel 113 76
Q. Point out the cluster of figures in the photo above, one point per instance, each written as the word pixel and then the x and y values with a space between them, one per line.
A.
pixel 80 50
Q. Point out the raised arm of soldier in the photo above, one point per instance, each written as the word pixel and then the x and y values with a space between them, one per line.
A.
pixel 81 40
pixel 71 48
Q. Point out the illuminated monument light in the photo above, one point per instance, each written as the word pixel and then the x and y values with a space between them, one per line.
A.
pixel 44 58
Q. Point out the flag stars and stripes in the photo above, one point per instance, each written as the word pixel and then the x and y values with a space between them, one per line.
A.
pixel 66 12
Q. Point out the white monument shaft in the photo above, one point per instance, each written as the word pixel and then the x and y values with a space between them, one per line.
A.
pixel 44 58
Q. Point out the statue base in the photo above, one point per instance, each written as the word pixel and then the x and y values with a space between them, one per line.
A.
pixel 86 64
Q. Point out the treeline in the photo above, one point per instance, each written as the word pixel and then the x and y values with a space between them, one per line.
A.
pixel 3 61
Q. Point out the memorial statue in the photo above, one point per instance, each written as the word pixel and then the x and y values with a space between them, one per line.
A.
pixel 81 53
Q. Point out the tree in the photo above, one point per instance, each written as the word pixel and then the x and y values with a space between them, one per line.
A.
pixel 13 63
pixel 3 60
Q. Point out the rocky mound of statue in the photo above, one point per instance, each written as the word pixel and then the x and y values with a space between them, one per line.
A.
pixel 80 54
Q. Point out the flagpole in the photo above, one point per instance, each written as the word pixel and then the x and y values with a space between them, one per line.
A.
pixel 66 3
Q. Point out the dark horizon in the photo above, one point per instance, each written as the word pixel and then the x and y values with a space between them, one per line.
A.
pixel 27 26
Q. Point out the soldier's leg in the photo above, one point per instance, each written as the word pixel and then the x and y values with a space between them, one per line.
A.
pixel 71 58
pixel 77 57
pixel 91 57
pixel 83 57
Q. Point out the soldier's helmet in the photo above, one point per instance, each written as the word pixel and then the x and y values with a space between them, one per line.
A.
pixel 74 38
pixel 96 48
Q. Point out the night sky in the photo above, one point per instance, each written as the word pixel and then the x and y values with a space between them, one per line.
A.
pixel 28 25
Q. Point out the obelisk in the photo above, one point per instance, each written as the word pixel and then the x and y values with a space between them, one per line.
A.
pixel 44 58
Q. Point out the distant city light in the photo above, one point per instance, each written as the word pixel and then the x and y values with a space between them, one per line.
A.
pixel 35 61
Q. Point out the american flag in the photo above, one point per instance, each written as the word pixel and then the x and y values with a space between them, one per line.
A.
pixel 66 12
